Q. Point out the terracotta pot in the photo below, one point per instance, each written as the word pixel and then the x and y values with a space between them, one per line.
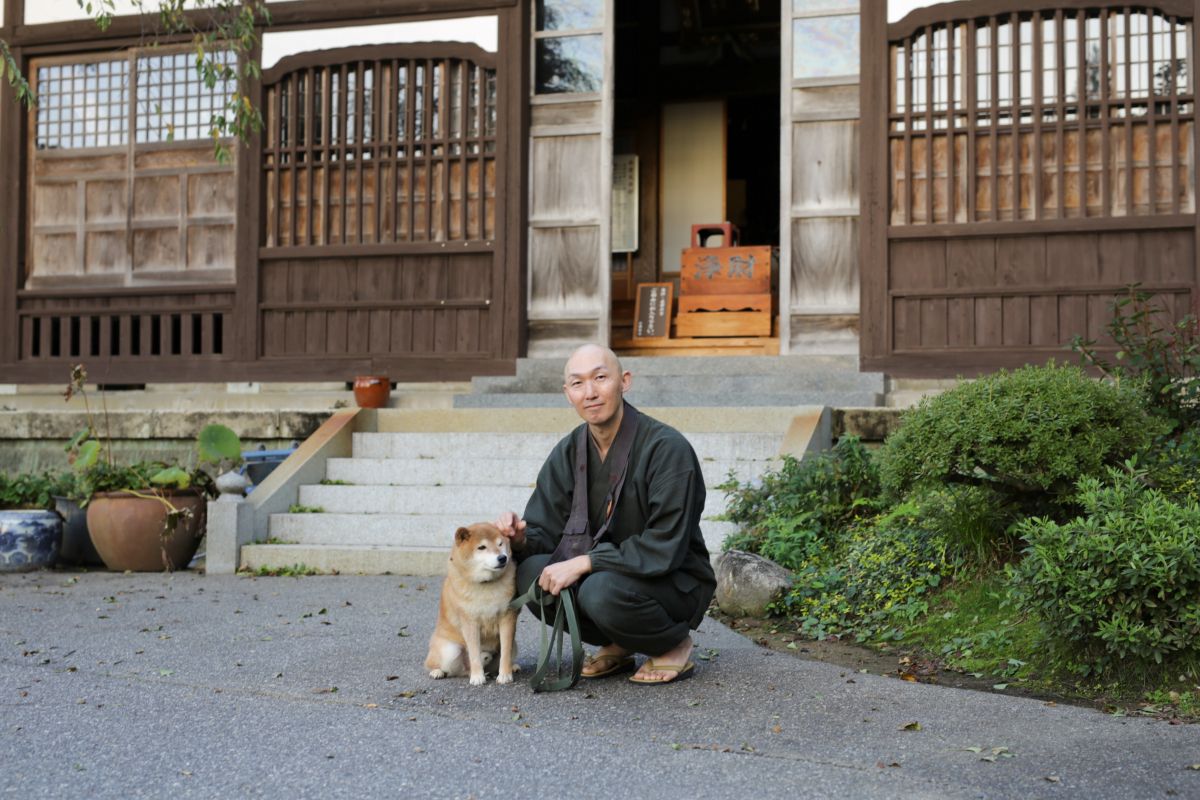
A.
pixel 372 391
pixel 128 530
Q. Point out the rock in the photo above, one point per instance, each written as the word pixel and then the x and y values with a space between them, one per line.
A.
pixel 747 583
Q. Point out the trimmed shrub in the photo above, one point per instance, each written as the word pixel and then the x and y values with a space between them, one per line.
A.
pixel 1120 582
pixel 791 514
pixel 1026 434
pixel 881 577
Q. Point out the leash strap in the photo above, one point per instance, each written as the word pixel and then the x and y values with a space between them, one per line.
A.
pixel 564 615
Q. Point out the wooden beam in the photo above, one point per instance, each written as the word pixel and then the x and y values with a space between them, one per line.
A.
pixel 977 9
pixel 14 15
pixel 873 165
pixel 513 173
pixel 1195 158
pixel 296 14
pixel 11 117
pixel 249 233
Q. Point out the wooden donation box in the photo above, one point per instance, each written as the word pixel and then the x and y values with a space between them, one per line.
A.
pixel 725 291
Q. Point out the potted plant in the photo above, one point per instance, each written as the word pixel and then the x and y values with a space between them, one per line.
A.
pixel 149 515
pixel 30 533
pixel 77 548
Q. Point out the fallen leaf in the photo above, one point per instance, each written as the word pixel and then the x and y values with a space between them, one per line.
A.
pixel 973 749
pixel 371 705
pixel 999 687
pixel 1053 779
pixel 328 690
pixel 391 677
pixel 166 673
pixel 407 694
pixel 908 676
pixel 912 726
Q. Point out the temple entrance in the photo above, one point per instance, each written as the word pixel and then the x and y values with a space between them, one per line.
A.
pixel 696 140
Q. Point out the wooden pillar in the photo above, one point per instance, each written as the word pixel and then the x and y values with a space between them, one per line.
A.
pixel 1195 48
pixel 873 183
pixel 249 232
pixel 12 114
pixel 513 165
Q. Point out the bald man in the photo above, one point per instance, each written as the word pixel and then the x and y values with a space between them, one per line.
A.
pixel 648 580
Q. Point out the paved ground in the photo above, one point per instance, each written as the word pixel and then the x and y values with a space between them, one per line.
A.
pixel 193 686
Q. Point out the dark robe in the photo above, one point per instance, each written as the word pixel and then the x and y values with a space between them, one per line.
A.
pixel 655 533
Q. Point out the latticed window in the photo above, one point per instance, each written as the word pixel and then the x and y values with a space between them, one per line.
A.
pixel 372 152
pixel 94 103
pixel 1042 115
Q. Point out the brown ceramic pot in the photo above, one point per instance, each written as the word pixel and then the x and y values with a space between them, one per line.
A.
pixel 127 530
pixel 372 391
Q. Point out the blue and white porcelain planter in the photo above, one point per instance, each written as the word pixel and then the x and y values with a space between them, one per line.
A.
pixel 29 540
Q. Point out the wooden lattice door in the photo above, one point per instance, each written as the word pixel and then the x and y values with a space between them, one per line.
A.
pixel 1023 162
pixel 383 220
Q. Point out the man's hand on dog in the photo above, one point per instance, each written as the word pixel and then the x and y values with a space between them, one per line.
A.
pixel 557 577
pixel 513 527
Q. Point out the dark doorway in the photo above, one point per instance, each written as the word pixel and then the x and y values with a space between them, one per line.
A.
pixel 718 60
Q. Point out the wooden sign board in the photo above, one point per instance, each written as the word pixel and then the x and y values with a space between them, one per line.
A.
pixel 652 312
pixel 625 204
pixel 727 270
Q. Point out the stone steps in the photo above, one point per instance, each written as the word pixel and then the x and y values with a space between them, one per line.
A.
pixel 395 504
pixel 666 382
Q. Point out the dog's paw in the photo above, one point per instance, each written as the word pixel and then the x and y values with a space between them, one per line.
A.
pixel 436 673
pixel 487 658
pixel 504 677
pixel 478 680
pixel 516 667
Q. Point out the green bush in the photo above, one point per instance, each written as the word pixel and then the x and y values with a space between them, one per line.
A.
pixel 1157 354
pixel 1028 434
pixel 791 512
pixel 1121 583
pixel 1173 465
pixel 881 577
pixel 975 522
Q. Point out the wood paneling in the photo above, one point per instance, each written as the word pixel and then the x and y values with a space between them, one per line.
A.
pixel 563 265
pixel 566 184
pixel 824 265
pixel 377 306
pixel 824 166
pixel 1029 294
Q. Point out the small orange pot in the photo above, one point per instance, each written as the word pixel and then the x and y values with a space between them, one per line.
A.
pixel 372 391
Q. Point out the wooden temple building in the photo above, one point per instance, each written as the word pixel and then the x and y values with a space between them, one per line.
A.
pixel 443 186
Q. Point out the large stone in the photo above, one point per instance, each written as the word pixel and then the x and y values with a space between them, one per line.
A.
pixel 747 584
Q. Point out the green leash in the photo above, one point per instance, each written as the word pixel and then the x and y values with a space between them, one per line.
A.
pixel 564 615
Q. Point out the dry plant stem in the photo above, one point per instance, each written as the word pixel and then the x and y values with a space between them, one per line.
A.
pixel 107 428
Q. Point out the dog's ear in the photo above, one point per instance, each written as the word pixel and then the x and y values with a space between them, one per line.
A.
pixel 461 535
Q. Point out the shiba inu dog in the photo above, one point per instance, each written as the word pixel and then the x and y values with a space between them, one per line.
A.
pixel 474 622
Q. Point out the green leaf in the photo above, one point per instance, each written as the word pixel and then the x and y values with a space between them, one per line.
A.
pixel 217 442
pixel 88 455
pixel 172 477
